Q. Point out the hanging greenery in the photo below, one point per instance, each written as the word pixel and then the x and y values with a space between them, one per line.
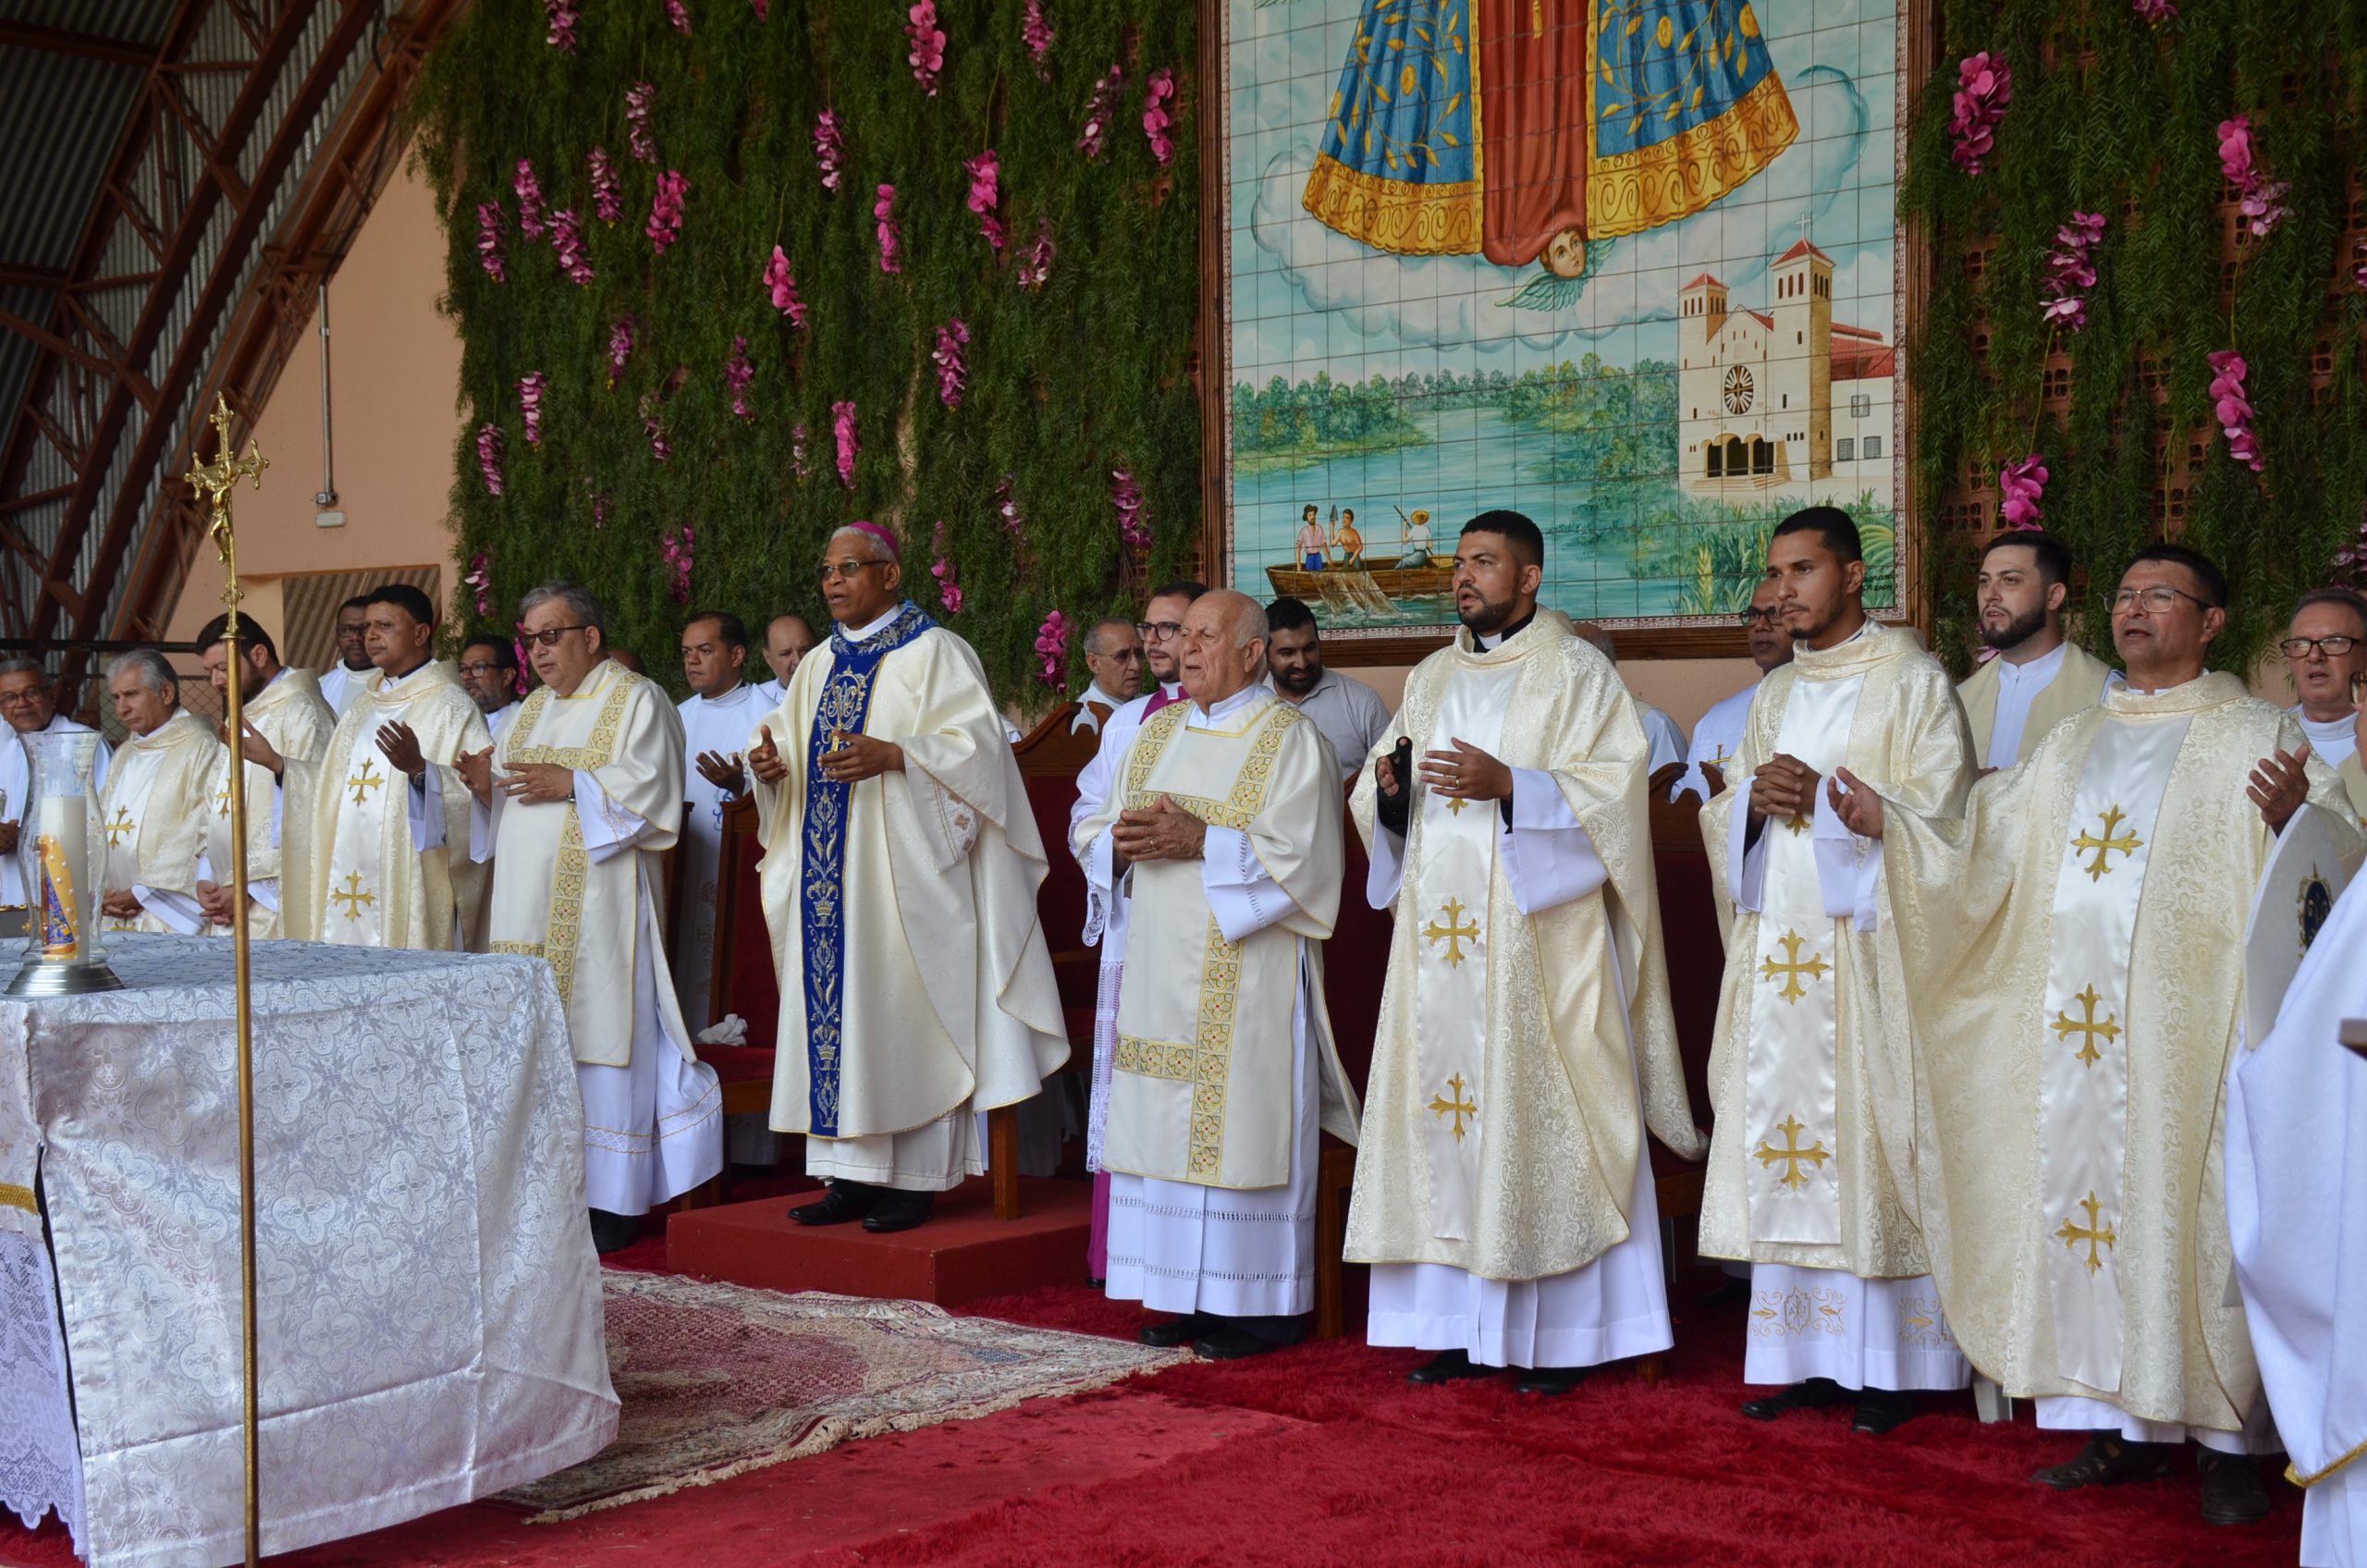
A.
pixel 731 274
pixel 2189 367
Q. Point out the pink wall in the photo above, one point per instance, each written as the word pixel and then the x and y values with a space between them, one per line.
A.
pixel 394 371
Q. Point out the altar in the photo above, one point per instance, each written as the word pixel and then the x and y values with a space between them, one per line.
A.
pixel 429 1308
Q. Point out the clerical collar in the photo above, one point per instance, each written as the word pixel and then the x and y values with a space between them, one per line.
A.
pixel 2040 671
pixel 2322 731
pixel 734 695
pixel 394 680
pixel 1249 697
pixel 1493 641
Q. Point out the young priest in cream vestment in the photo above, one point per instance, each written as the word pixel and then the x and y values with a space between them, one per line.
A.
pixel 576 807
pixel 388 849
pixel 157 801
pixel 2040 678
pixel 2074 952
pixel 1504 1194
pixel 1226 821
pixel 899 874
pixel 288 730
pixel 1843 1309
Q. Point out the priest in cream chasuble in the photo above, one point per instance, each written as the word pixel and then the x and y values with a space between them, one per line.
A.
pixel 1525 1041
pixel 157 801
pixel 2325 657
pixel 1106 906
pixel 388 849
pixel 1841 1309
pixel 1226 822
pixel 288 727
pixel 2039 677
pixel 899 874
pixel 2297 1214
pixel 584 797
pixel 2073 950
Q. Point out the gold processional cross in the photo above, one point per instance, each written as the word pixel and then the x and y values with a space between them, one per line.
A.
pixel 120 826
pixel 362 783
pixel 1791 1154
pixel 1453 933
pixel 354 896
pixel 1458 1108
pixel 2072 1235
pixel 2065 1026
pixel 1791 969
pixel 2127 843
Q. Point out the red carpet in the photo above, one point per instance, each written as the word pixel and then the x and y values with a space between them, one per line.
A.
pixel 1324 1455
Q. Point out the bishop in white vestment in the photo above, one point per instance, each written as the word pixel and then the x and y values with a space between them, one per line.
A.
pixel 1718 736
pixel 2039 677
pixel 28 707
pixel 580 800
pixel 1105 914
pixel 390 819
pixel 2073 950
pixel 899 874
pixel 288 730
pixel 2296 1217
pixel 157 801
pixel 1843 1309
pixel 1227 823
pixel 1526 1039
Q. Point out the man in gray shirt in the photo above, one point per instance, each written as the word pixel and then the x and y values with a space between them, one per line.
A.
pixel 1349 712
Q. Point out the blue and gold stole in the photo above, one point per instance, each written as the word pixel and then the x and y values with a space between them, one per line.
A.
pixel 845 705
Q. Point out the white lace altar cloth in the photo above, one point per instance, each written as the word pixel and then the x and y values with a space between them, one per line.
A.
pixel 429 1304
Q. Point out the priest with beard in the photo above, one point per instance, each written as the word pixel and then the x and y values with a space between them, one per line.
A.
pixel 1503 1193
pixel 576 807
pixel 2040 678
pixel 1843 1310
pixel 287 729
pixel 899 873
pixel 2074 951
pixel 1225 819
pixel 1105 914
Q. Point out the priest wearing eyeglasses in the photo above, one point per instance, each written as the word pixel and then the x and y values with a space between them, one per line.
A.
pixel 2325 650
pixel 576 806
pixel 899 873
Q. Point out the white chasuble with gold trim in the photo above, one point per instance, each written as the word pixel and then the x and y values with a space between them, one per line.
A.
pixel 290 714
pixel 1792 1124
pixel 1452 887
pixel 155 806
pixel 390 870
pixel 1203 1089
pixel 2083 1079
pixel 2002 1125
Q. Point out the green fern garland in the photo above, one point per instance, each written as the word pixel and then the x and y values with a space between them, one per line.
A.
pixel 2114 115
pixel 1064 384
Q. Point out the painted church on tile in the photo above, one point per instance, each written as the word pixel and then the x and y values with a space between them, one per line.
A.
pixel 1781 403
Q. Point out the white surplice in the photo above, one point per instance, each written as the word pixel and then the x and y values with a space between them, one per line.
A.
pixel 1716 740
pixel 721 725
pixel 1667 740
pixel 340 686
pixel 575 883
pixel 2332 741
pixel 16 788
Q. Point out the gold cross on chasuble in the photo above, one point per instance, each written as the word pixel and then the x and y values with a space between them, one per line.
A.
pixel 354 896
pixel 1791 1154
pixel 2112 839
pixel 120 826
pixel 1454 933
pixel 363 782
pixel 2065 1026
pixel 2072 1235
pixel 1459 1107
pixel 222 799
pixel 1790 970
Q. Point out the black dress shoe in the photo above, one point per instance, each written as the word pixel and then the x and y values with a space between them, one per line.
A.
pixel 844 1202
pixel 1448 1366
pixel 896 1211
pixel 614 1233
pixel 1815 1394
pixel 2232 1494
pixel 1222 1342
pixel 1883 1410
pixel 2109 1460
pixel 1547 1381
pixel 1176 1332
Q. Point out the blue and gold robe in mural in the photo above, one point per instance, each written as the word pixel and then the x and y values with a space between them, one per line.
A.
pixel 1520 129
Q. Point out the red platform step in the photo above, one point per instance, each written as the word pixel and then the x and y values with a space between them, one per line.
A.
pixel 961 1253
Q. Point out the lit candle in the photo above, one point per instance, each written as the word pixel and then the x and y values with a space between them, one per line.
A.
pixel 63 845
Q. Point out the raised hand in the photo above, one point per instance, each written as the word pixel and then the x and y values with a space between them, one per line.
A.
pixel 764 758
pixel 724 772
pixel 861 757
pixel 1782 788
pixel 1466 773
pixel 399 743
pixel 1860 810
pixel 258 750
pixel 475 769
pixel 2279 785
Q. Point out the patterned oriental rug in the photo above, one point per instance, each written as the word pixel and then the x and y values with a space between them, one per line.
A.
pixel 720 1379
